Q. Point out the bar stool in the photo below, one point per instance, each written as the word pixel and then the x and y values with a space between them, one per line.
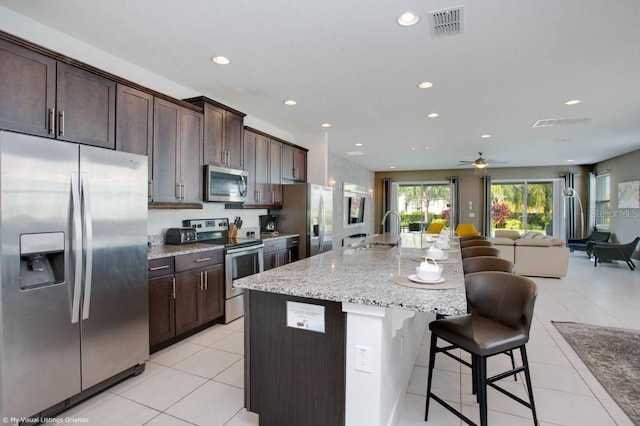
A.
pixel 475 243
pixel 501 310
pixel 473 237
pixel 479 251
pixel 487 263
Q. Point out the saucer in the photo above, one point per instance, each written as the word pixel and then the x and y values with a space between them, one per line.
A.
pixel 445 256
pixel 415 279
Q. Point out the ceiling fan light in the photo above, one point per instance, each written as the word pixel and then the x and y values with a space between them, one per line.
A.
pixel 480 165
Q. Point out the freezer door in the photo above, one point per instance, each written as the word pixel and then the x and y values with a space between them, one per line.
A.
pixel 40 345
pixel 327 222
pixel 115 309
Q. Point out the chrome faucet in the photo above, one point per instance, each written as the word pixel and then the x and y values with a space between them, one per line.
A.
pixel 384 228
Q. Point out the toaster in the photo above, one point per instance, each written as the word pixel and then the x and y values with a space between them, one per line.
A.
pixel 180 236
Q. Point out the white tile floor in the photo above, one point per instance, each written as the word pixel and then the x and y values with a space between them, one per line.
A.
pixel 200 380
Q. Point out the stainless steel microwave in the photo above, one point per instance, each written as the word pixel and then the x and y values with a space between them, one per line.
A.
pixel 225 185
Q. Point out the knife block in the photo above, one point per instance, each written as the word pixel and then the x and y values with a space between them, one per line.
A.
pixel 233 231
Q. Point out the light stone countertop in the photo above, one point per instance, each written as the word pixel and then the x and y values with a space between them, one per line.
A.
pixel 168 250
pixel 365 277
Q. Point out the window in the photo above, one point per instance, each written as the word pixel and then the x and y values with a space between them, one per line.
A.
pixel 522 206
pixel 422 203
pixel 603 197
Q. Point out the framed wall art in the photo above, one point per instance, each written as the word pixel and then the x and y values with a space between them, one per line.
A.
pixel 629 195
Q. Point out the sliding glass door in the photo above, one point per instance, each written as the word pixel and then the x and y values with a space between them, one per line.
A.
pixel 524 206
pixel 419 204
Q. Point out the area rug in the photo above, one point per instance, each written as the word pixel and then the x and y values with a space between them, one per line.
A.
pixel 613 356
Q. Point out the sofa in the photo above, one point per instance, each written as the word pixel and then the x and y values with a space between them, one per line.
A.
pixel 534 254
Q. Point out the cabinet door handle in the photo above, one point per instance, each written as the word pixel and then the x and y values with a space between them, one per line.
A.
pixel 204 259
pixel 206 280
pixel 158 268
pixel 201 281
pixel 173 290
pixel 178 191
pixel 61 123
pixel 184 190
pixel 50 124
pixel 289 253
pixel 150 191
pixel 227 157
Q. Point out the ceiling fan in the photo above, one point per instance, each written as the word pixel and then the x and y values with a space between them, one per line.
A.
pixel 479 163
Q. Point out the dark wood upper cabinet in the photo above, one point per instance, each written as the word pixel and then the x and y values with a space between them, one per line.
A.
pixel 45 97
pixel 134 123
pixel 165 144
pixel 275 171
pixel 86 107
pixel 223 133
pixel 177 147
pixel 27 90
pixel 294 163
pixel 191 155
pixel 250 142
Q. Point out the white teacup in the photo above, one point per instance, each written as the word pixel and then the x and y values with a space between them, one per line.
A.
pixel 436 253
pixel 441 244
pixel 429 239
pixel 429 271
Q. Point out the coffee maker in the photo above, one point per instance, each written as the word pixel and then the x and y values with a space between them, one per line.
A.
pixel 268 223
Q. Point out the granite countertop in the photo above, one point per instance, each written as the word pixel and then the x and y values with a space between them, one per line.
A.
pixel 167 250
pixel 366 277
pixel 270 236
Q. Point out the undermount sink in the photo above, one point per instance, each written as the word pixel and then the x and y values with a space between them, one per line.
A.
pixel 376 246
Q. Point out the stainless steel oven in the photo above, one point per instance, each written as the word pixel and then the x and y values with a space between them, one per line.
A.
pixel 240 262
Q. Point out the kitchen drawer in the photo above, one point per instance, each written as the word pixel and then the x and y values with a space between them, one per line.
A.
pixel 201 259
pixel 160 267
pixel 293 242
pixel 274 245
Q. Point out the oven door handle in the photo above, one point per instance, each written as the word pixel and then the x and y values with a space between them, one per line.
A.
pixel 244 250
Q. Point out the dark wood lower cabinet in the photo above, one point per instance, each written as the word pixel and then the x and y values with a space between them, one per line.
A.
pixel 162 308
pixel 293 376
pixel 186 301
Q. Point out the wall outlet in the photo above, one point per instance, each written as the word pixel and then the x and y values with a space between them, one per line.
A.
pixel 472 215
pixel 363 358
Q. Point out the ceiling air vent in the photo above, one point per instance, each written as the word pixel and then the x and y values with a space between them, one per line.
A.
pixel 560 121
pixel 446 22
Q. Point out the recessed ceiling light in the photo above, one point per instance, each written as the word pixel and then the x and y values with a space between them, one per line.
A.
pixel 413 148
pixel 290 102
pixel 392 167
pixel 407 19
pixel 433 115
pixel 570 160
pixel 425 85
pixel 485 136
pixel 221 60
pixel 325 125
pixel 573 102
pixel 358 144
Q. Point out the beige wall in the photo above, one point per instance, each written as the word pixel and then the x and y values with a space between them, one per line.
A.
pixel 625 223
pixel 471 184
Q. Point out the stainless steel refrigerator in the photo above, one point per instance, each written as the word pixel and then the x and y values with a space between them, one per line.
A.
pixel 73 270
pixel 307 209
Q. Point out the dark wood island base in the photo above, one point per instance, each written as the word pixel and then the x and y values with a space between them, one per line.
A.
pixel 294 376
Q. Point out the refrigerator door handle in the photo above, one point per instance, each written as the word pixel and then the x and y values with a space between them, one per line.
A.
pixel 77 249
pixel 321 219
pixel 88 244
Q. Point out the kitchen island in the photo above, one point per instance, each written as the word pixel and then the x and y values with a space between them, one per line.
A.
pixel 332 339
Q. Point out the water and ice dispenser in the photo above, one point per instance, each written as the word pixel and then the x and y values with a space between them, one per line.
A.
pixel 41 259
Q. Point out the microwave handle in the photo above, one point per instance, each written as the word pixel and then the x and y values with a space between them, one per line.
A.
pixel 242 186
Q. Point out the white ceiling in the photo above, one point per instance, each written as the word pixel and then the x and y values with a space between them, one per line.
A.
pixel 348 62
